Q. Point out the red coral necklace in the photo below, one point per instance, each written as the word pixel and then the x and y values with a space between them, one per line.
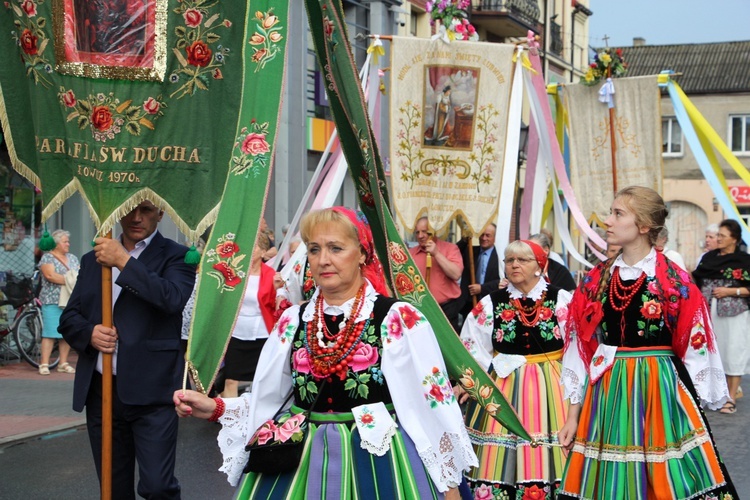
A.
pixel 331 353
pixel 623 293
pixel 529 315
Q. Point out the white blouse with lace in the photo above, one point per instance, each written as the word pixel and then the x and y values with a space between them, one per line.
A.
pixel 410 359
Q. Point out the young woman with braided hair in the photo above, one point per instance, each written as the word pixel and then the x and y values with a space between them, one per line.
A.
pixel 639 362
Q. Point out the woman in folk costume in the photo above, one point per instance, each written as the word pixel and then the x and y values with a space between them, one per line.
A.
pixel 723 276
pixel 514 333
pixel 384 422
pixel 255 319
pixel 640 360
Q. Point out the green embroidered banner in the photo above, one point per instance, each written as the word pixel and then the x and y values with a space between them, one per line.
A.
pixel 125 101
pixel 326 18
pixel 226 260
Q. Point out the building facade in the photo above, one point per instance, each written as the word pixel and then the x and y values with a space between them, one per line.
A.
pixel 716 78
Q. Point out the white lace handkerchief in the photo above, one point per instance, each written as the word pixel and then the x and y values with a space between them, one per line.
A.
pixel 504 364
pixel 376 427
pixel 602 361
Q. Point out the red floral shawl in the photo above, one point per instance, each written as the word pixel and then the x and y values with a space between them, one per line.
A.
pixel 681 303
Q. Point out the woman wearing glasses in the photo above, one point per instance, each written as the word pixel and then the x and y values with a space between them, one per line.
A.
pixel 723 276
pixel 514 333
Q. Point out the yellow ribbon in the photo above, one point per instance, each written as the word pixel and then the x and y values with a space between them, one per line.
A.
pixel 525 62
pixel 545 356
pixel 376 49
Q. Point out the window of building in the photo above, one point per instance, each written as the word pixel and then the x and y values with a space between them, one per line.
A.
pixel 671 136
pixel 413 21
pixel 739 133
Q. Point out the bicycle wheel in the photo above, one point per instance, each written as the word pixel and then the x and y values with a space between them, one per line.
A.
pixel 27 331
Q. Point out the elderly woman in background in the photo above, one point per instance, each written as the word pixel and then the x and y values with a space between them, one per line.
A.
pixel 723 276
pixel 514 333
pixel 54 265
pixel 384 417
pixel 709 243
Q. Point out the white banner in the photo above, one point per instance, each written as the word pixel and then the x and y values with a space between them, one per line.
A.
pixel 449 115
pixel 637 127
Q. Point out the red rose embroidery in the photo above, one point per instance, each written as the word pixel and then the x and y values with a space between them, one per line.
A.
pixel 651 309
pixel 437 393
pixel 398 255
pixel 227 249
pixel 507 315
pixel 404 284
pixel 28 42
pixel 151 106
pixel 737 274
pixel 409 316
pixel 328 27
pixel 101 118
pixel 533 492
pixel 477 309
pixel 29 7
pixel 598 360
pixel 366 418
pixel 545 313
pixel 198 54
pixel 698 340
pixel 193 18
pixel 308 285
pixel 230 277
pixel 255 144
pixel 69 99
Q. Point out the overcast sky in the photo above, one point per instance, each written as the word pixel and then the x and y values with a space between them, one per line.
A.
pixel 665 22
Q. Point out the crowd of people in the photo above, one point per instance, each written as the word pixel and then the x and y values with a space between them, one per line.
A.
pixel 609 377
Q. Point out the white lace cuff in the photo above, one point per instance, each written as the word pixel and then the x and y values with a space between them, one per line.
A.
pixel 572 386
pixel 447 465
pixel 376 427
pixel 233 437
pixel 710 384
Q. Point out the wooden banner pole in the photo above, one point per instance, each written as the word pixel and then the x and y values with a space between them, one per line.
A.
pixel 106 479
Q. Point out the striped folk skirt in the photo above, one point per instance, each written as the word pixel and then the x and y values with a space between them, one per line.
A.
pixel 508 466
pixel 335 466
pixel 642 435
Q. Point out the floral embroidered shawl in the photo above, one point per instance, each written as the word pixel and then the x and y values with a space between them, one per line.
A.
pixel 681 302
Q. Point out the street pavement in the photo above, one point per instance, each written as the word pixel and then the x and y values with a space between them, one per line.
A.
pixel 43 443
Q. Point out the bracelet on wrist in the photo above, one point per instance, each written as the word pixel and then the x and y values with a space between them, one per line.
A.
pixel 738 292
pixel 218 411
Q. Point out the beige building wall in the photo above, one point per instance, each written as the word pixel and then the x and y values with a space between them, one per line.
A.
pixel 692 203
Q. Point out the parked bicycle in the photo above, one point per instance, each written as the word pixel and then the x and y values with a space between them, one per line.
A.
pixel 26 325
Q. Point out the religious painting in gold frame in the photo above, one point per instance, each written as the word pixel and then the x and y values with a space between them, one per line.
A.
pixel 115 39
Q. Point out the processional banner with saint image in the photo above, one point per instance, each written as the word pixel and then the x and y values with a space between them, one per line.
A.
pixel 449 105
pixel 637 127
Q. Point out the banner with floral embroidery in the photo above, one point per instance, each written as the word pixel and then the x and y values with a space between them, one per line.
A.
pixel 327 23
pixel 226 260
pixel 449 114
pixel 637 140
pixel 126 100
